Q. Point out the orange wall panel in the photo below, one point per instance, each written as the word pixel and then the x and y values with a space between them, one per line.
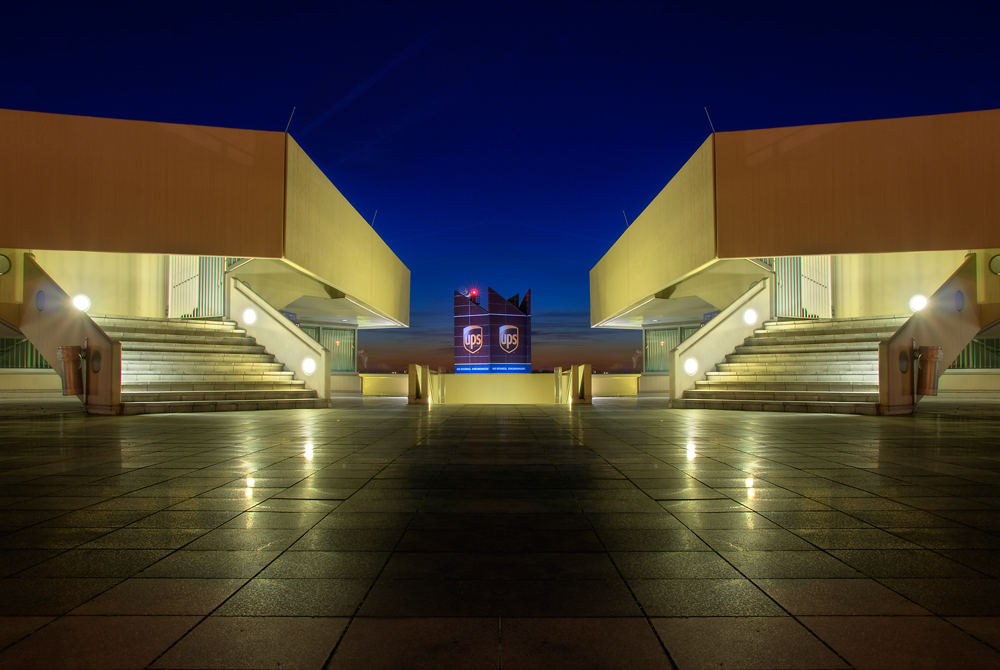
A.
pixel 90 184
pixel 914 184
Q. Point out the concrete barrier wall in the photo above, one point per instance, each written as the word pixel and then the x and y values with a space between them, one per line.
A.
pixel 385 385
pixel 345 384
pixel 604 386
pixel 17 382
pixel 969 381
pixel 534 389
pixel 654 384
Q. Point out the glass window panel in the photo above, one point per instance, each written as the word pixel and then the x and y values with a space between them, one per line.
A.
pixel 658 344
pixel 340 342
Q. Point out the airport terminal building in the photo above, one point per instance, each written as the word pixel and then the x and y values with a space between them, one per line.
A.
pixel 818 268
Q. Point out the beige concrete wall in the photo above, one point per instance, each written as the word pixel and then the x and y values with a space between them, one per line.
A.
pixel 673 236
pixel 13 382
pixel 119 284
pixel 651 383
pixel 90 184
pixel 533 389
pixel 881 284
pixel 607 386
pixel 325 235
pixel 385 385
pixel 345 383
pixel 969 381
pixel 915 184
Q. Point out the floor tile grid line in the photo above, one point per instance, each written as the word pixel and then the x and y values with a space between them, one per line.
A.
pixel 263 567
pixel 96 595
pixel 768 596
pixel 937 617
pixel 196 624
pixel 886 530
pixel 645 615
pixel 845 512
pixel 357 609
pixel 304 529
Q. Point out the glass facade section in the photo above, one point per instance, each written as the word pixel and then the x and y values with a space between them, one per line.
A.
pixel 981 354
pixel 340 342
pixel 659 342
pixel 20 354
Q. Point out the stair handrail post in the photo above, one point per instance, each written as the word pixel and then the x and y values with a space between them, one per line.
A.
pixel 281 338
pixel 691 360
pixel 950 320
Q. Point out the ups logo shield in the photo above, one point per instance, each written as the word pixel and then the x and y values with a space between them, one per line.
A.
pixel 508 338
pixel 472 338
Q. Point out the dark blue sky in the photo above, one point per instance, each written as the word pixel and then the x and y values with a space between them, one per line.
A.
pixel 500 143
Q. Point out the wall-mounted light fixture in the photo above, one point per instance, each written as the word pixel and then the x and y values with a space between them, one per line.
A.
pixel 81 302
pixel 691 366
pixel 918 302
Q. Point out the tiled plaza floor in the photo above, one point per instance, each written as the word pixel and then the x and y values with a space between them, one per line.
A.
pixel 379 535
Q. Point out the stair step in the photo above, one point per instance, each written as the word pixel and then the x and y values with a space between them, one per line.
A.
pixel 166 338
pixel 217 396
pixel 781 396
pixel 127 333
pixel 824 347
pixel 165 386
pixel 804 324
pixel 793 366
pixel 813 357
pixel 192 348
pixel 183 358
pixel 799 338
pixel 128 378
pixel 765 406
pixel 835 386
pixel 221 405
pixel 201 366
pixel 129 322
pixel 795 377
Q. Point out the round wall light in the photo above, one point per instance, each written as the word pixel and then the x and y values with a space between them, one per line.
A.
pixel 750 317
pixel 691 366
pixel 309 366
pixel 5 265
pixel 249 316
pixel 918 302
pixel 81 302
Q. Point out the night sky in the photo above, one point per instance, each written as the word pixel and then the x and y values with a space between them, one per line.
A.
pixel 500 143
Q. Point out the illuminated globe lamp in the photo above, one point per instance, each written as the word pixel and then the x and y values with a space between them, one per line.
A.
pixel 81 302
pixel 918 302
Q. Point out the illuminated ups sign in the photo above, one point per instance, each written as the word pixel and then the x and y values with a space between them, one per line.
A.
pixel 472 338
pixel 508 338
pixel 492 335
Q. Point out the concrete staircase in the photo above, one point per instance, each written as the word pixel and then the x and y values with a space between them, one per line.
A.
pixel 189 365
pixel 808 365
